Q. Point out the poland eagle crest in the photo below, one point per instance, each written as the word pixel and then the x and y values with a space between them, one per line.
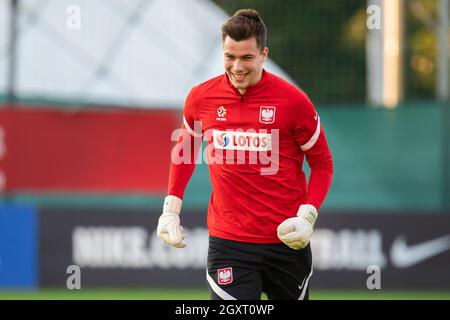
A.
pixel 267 114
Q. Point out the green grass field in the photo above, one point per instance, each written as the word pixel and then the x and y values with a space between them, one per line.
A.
pixel 198 294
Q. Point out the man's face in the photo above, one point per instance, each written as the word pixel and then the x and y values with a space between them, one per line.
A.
pixel 243 62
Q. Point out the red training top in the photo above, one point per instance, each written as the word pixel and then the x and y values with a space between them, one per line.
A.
pixel 255 146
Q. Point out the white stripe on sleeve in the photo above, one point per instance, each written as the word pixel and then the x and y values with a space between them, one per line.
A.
pixel 189 129
pixel 313 139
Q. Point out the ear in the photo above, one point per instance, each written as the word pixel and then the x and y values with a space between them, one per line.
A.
pixel 265 53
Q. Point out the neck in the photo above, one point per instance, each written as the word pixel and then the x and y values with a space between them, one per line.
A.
pixel 242 91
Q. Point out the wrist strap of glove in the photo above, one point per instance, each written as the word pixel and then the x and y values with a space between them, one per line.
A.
pixel 308 212
pixel 172 204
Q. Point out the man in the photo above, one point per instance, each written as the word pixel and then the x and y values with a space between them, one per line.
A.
pixel 258 129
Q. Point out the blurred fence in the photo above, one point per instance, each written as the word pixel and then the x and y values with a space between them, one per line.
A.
pixel 322 45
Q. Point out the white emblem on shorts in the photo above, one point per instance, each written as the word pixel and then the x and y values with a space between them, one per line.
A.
pixel 225 276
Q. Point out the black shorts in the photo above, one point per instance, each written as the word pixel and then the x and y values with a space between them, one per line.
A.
pixel 242 271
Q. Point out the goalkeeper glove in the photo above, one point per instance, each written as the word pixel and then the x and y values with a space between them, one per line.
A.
pixel 296 232
pixel 169 229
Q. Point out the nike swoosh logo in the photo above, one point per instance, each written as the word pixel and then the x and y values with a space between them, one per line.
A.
pixel 404 256
pixel 303 283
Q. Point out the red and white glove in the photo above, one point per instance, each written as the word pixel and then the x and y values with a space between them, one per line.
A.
pixel 169 229
pixel 296 232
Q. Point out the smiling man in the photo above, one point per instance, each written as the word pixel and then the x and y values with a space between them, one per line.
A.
pixel 259 128
pixel 243 61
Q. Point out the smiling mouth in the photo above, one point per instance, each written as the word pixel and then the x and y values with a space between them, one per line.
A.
pixel 239 77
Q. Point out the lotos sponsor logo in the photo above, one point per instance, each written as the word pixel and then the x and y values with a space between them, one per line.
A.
pixel 238 140
pixel 223 140
pixel 229 147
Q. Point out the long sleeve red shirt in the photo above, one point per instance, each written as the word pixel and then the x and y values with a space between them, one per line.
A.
pixel 255 147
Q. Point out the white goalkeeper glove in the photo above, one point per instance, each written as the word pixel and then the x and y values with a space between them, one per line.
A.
pixel 169 229
pixel 296 232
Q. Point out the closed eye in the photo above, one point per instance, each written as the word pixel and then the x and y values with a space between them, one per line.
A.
pixel 246 57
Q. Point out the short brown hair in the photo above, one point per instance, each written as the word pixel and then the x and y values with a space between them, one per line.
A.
pixel 243 25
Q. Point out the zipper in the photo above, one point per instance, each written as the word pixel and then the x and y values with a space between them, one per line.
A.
pixel 241 108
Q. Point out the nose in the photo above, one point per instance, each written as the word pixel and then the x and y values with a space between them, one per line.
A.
pixel 238 66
